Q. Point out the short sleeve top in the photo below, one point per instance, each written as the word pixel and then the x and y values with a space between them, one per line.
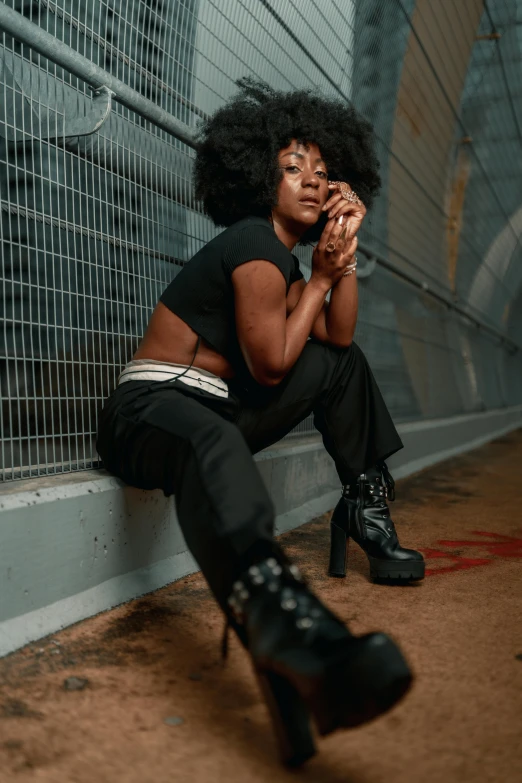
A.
pixel 202 293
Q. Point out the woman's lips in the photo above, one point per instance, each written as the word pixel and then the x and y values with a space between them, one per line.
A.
pixel 309 202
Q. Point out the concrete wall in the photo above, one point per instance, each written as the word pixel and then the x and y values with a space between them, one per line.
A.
pixel 75 545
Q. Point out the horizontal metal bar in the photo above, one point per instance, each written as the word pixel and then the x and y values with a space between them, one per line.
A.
pixel 61 54
pixel 117 54
pixel 423 286
pixel 44 43
pixel 65 225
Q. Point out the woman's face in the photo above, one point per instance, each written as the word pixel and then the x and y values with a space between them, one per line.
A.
pixel 304 188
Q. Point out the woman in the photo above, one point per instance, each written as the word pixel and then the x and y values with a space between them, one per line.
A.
pixel 238 351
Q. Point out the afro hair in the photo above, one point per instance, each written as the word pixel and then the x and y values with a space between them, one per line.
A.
pixel 236 170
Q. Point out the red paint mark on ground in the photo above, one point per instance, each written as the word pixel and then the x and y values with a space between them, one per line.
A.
pixel 459 563
pixel 495 544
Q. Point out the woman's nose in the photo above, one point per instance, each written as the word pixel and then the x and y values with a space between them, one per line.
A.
pixel 310 178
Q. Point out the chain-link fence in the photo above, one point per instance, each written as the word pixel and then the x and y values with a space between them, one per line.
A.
pixel 95 224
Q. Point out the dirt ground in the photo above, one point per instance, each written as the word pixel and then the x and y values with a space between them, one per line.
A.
pixel 140 693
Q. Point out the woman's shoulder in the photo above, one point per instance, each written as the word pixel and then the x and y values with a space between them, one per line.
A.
pixel 255 231
pixel 252 223
pixel 254 238
pixel 249 229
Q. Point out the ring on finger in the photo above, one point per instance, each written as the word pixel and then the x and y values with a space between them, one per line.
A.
pixel 330 247
pixel 347 193
pixel 342 239
pixel 353 198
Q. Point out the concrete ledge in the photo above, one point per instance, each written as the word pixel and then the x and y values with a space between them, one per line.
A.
pixel 76 545
pixel 434 440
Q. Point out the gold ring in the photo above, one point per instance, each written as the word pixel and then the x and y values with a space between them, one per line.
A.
pixel 347 193
pixel 330 247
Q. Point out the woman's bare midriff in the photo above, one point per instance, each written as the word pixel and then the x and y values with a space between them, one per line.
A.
pixel 169 339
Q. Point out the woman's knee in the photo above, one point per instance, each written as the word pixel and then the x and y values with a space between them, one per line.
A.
pixel 219 444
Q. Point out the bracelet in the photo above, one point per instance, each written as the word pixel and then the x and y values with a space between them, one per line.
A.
pixel 350 269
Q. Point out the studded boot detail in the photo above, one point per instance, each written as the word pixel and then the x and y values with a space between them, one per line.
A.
pixel 363 515
pixel 307 662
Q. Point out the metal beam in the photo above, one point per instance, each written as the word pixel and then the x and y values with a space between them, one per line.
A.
pixel 47 45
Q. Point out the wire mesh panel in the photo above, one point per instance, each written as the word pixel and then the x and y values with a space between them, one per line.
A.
pixel 93 227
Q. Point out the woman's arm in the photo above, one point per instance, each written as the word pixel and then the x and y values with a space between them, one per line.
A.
pixel 270 342
pixel 337 319
pixel 341 314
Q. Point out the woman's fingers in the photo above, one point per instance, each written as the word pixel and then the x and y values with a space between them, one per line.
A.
pixel 352 216
pixel 334 186
pixel 344 207
pixel 350 226
pixel 346 247
pixel 334 250
pixel 336 196
pixel 350 250
pixel 325 237
pixel 332 201
pixel 338 205
pixel 332 233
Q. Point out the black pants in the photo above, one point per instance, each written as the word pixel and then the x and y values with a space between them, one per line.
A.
pixel 199 447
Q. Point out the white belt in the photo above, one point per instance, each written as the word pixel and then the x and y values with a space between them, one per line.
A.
pixel 150 370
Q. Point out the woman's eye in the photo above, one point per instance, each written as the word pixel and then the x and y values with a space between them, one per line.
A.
pixel 293 168
pixel 322 174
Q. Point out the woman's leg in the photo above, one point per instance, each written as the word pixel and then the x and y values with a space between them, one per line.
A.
pixel 305 658
pixel 338 386
pixel 358 433
pixel 164 438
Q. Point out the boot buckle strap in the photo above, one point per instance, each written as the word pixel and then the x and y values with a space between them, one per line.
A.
pixel 267 573
pixel 382 491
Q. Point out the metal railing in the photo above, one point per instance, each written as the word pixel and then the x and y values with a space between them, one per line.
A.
pixel 104 84
pixel 112 216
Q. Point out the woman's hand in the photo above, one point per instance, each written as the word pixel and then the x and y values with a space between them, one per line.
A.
pixel 333 253
pixel 353 210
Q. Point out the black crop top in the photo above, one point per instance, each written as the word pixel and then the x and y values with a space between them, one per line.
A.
pixel 202 294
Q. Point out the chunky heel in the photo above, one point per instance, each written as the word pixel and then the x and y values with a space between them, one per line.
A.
pixel 376 678
pixel 338 551
pixel 363 514
pixel 309 666
pixel 290 719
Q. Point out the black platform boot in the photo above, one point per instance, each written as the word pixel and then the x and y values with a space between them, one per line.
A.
pixel 308 663
pixel 363 514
